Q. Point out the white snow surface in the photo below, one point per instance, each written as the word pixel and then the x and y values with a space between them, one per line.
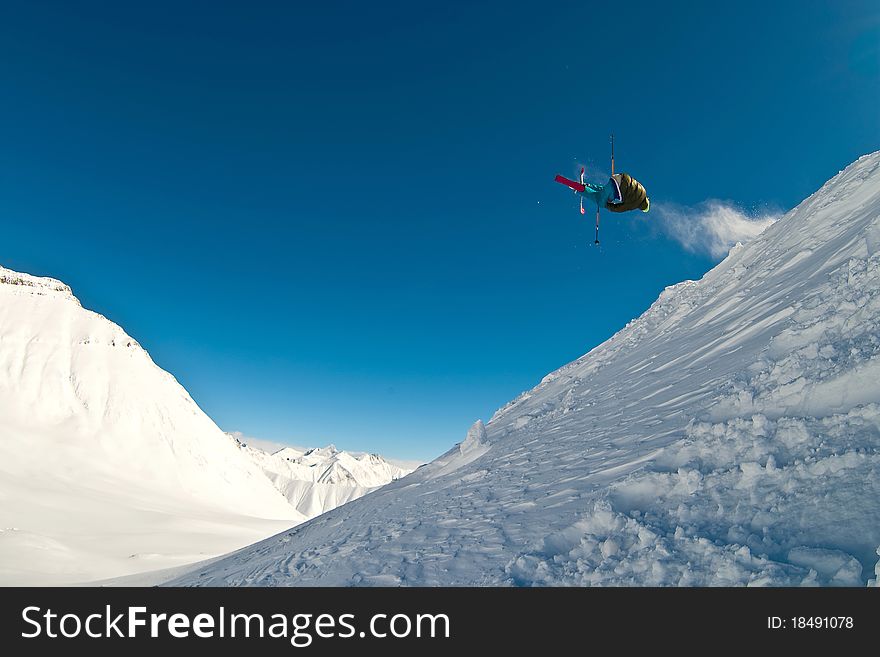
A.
pixel 728 436
pixel 107 465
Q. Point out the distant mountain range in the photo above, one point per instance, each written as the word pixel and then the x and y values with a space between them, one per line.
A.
pixel 317 480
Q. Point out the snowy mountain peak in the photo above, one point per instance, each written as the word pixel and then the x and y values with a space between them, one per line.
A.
pixel 371 459
pixel 289 453
pixel 728 436
pixel 320 453
pixel 27 284
pixel 321 478
pixel 94 437
pixel 109 467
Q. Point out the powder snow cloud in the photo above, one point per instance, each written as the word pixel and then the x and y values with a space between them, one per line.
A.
pixel 713 226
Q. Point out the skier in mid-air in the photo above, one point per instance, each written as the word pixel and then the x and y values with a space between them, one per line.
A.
pixel 621 193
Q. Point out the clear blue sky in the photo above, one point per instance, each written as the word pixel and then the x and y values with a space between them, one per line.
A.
pixel 339 222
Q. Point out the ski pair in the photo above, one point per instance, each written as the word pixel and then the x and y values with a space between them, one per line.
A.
pixel 581 188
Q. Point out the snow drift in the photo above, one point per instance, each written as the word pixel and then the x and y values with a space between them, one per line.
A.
pixel 729 436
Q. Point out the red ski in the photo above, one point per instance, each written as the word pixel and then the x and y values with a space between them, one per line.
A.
pixel 574 184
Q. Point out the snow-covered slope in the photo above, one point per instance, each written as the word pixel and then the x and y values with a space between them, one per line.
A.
pixel 729 435
pixel 107 466
pixel 317 480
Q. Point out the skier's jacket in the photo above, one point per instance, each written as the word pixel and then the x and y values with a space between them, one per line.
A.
pixel 632 194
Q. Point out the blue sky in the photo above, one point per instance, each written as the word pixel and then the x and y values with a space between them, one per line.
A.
pixel 339 223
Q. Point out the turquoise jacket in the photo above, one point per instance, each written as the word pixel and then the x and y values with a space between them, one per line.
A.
pixel 601 194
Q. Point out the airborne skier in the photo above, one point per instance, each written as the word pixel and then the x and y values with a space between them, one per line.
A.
pixel 621 193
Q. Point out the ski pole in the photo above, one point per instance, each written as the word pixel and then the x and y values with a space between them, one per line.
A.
pixel 612 154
